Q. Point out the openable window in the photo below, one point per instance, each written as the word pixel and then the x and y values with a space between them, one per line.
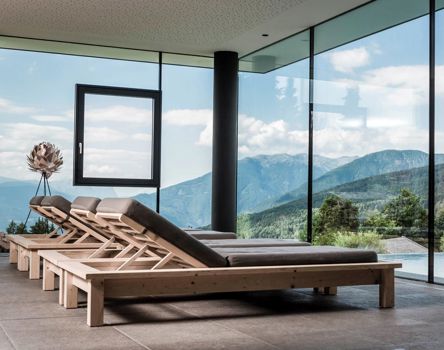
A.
pixel 117 136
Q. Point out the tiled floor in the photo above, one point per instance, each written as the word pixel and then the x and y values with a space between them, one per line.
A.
pixel 31 319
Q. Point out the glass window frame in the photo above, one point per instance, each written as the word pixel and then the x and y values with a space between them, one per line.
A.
pixel 79 130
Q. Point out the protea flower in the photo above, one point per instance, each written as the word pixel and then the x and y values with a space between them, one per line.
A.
pixel 45 158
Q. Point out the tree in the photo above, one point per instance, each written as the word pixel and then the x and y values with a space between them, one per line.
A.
pixel 406 210
pixel 380 223
pixel 42 226
pixel 16 229
pixel 335 214
pixel 12 228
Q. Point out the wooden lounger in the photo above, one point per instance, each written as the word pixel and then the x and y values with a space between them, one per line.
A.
pixel 78 235
pixel 187 266
pixel 137 252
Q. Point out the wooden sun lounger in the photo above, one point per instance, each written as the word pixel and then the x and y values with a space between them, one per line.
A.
pixel 78 235
pixel 134 255
pixel 180 271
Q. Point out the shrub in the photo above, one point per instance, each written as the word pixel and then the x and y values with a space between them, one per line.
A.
pixel 347 239
pixel 42 226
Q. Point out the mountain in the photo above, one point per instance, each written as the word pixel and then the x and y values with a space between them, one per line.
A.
pixel 369 193
pixel 261 180
pixel 369 165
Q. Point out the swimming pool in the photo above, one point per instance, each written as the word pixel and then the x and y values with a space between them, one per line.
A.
pixel 415 264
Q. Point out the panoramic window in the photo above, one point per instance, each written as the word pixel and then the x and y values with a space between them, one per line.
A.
pixel 273 141
pixel 371 115
pixel 37 104
pixel 187 130
pixel 107 117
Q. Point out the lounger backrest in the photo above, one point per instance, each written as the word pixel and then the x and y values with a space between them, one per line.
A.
pixel 84 208
pixel 36 201
pixel 163 228
pixel 61 209
pixel 86 203
pixel 39 203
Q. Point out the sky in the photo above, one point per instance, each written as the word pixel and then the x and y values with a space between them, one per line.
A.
pixel 370 95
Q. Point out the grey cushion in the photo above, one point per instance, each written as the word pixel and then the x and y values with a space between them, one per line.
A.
pixel 58 202
pixel 259 242
pixel 272 256
pixel 163 228
pixel 85 203
pixel 214 235
pixel 36 200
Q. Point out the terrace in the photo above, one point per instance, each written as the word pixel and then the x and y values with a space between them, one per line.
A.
pixel 31 319
pixel 312 121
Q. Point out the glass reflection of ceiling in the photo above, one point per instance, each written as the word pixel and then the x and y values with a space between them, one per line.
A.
pixel 353 25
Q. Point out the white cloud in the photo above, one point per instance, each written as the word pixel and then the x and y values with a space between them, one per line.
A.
pixel 347 61
pixel 119 113
pixel 259 137
pixel 117 163
pixel 281 85
pixel 23 136
pixel 10 107
pixel 188 117
pixel 49 118
pixel 94 135
pixel 142 137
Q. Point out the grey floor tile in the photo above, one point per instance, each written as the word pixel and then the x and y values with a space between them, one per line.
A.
pixel 5 343
pixel 65 333
pixel 192 334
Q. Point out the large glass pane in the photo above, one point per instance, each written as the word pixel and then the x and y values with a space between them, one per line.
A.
pixel 366 20
pixel 273 144
pixel 439 143
pixel 118 137
pixel 37 93
pixel 187 131
pixel 371 112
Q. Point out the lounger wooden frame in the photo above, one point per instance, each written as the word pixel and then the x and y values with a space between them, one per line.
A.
pixel 24 250
pixel 181 274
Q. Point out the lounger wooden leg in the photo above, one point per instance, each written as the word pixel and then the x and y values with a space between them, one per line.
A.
pixel 48 277
pixel 70 292
pixel 13 253
pixel 22 263
pixel 34 265
pixel 95 303
pixel 62 288
pixel 387 288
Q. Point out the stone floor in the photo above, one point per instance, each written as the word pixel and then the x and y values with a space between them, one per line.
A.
pixel 31 319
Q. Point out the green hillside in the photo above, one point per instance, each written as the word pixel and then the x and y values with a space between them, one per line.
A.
pixel 371 193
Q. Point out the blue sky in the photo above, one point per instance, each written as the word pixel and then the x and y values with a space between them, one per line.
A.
pixel 383 75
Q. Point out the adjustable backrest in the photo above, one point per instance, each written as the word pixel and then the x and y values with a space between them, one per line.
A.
pixel 170 235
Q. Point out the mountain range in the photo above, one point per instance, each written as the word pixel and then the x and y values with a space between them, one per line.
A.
pixel 264 182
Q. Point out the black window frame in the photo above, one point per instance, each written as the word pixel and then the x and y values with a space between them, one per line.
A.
pixel 79 129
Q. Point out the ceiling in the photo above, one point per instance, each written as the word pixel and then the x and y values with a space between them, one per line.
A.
pixel 197 27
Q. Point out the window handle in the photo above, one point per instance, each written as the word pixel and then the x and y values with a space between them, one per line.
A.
pixel 80 148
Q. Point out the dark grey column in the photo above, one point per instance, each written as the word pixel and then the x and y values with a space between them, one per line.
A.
pixel 224 201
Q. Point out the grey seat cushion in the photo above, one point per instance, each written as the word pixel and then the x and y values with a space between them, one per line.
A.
pixel 163 228
pixel 86 203
pixel 273 256
pixel 36 200
pixel 58 202
pixel 213 235
pixel 258 242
